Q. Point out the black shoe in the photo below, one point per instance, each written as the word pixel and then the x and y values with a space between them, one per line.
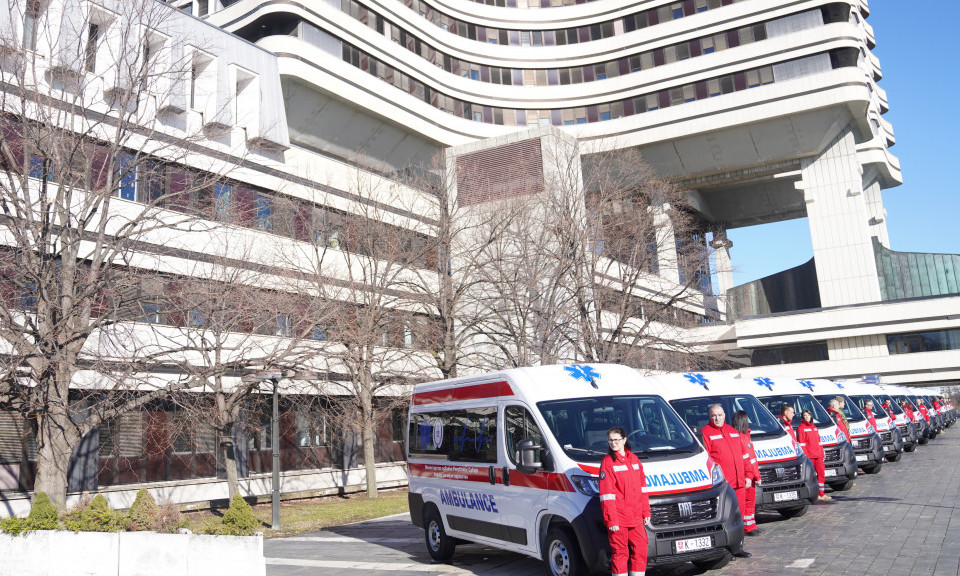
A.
pixel 743 554
pixel 754 532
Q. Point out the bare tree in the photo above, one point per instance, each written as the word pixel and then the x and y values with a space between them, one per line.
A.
pixel 366 309
pixel 91 190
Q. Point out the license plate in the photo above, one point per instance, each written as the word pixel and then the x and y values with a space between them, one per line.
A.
pixel 830 472
pixel 861 457
pixel 691 544
pixel 784 496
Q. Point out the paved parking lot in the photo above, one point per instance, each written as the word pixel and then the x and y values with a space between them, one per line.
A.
pixel 906 520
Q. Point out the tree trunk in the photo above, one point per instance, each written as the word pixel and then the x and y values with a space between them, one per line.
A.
pixel 56 439
pixel 230 466
pixel 369 437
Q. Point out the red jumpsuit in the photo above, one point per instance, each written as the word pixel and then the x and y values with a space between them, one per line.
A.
pixel 841 422
pixel 788 426
pixel 870 418
pixel 724 447
pixel 924 412
pixel 752 471
pixel 626 506
pixel 809 437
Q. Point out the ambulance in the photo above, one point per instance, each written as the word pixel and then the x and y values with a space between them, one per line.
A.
pixel 889 433
pixel 511 459
pixel 840 464
pixel 924 430
pixel 788 480
pixel 908 430
pixel 867 446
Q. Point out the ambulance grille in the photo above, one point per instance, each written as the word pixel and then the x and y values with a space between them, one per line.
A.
pixel 862 444
pixel 673 514
pixel 886 436
pixel 770 476
pixel 831 454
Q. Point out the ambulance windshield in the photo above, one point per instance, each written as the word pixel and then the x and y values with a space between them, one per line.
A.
pixel 800 402
pixel 850 409
pixel 696 413
pixel 655 432
pixel 894 407
pixel 862 403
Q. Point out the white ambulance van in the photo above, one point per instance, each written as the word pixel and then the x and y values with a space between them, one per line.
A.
pixel 867 446
pixel 908 430
pixel 788 480
pixel 889 433
pixel 512 459
pixel 904 393
pixel 840 464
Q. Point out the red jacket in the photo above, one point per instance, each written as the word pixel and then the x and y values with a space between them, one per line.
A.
pixel 751 466
pixel 622 499
pixel 870 418
pixel 909 411
pixel 889 410
pixel 924 412
pixel 788 426
pixel 841 422
pixel 724 446
pixel 809 437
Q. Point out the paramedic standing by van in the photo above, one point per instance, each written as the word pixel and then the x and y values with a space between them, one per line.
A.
pixel 833 408
pixel 786 420
pixel 626 507
pixel 809 436
pixel 741 422
pixel 723 444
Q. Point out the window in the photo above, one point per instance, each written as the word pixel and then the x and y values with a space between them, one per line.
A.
pixel 150 312
pixel 284 326
pixel 407 337
pixel 31 21
pixel 90 51
pixel 264 212
pixel 519 425
pixel 318 333
pixel 222 202
pixel 460 435
pixel 28 297
pixel 126 176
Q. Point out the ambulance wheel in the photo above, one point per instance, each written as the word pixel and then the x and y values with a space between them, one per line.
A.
pixel 923 440
pixel 714 563
pixel 794 512
pixel 910 448
pixel 842 487
pixel 439 545
pixel 561 554
pixel 895 458
pixel 876 469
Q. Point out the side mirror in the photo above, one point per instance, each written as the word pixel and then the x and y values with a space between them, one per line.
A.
pixel 529 450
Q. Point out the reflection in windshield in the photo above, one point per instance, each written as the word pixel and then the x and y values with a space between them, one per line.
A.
pixel 894 407
pixel 878 411
pixel 850 409
pixel 580 426
pixel 800 402
pixel 694 412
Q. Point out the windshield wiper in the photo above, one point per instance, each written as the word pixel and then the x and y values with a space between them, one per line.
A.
pixel 584 450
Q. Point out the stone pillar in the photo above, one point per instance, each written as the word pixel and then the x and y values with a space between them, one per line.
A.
pixel 721 252
pixel 840 224
pixel 666 244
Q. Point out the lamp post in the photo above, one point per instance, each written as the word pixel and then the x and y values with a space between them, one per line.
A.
pixel 275 444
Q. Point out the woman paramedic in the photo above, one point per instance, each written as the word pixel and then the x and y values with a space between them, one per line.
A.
pixel 808 436
pixel 741 421
pixel 626 507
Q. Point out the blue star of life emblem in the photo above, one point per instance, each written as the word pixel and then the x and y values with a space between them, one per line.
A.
pixel 698 379
pixel 807 384
pixel 839 385
pixel 582 371
pixel 766 382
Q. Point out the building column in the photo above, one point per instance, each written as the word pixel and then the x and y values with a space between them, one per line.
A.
pixel 667 260
pixel 721 252
pixel 840 224
pixel 878 215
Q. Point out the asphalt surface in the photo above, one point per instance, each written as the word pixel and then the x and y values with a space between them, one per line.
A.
pixel 905 520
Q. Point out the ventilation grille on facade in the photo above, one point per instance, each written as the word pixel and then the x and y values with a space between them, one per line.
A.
pixel 499 173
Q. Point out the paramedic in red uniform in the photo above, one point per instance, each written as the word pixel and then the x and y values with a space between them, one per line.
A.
pixel 809 436
pixel 888 409
pixel 833 408
pixel 626 507
pixel 923 410
pixel 786 419
pixel 741 423
pixel 723 444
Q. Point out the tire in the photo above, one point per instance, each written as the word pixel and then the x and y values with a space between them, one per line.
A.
pixel 439 545
pixel 923 440
pixel 714 563
pixel 794 512
pixel 561 554
pixel 895 458
pixel 876 469
pixel 910 448
pixel 842 487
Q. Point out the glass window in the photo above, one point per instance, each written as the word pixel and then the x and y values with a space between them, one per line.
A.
pixel 460 435
pixel 264 213
pixel 695 412
pixel 800 402
pixel 519 425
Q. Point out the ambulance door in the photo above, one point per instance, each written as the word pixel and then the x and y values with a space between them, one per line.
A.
pixel 524 495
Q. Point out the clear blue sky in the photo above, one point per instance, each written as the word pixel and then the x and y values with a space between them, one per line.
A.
pixel 917 52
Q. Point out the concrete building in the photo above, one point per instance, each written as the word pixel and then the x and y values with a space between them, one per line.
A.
pixel 764 111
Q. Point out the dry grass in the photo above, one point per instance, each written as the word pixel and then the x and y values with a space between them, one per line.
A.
pixel 313 514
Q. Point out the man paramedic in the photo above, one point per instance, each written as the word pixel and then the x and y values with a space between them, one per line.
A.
pixel 786 420
pixel 722 442
pixel 833 409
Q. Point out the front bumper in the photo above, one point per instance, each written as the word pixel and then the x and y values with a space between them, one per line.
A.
pixel 790 478
pixel 844 464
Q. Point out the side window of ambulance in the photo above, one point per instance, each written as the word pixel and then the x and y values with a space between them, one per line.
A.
pixel 518 425
pixel 459 435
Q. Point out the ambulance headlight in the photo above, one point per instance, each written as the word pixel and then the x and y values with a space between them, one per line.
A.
pixel 588 485
pixel 716 476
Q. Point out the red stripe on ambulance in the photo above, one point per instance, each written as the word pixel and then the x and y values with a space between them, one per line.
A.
pixel 459 393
